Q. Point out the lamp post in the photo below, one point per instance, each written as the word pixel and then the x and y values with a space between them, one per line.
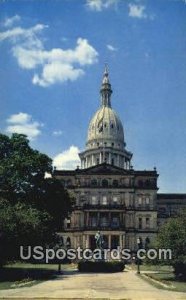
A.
pixel 138 260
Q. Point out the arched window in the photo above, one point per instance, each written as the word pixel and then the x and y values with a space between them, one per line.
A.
pixel 139 201
pixel 115 183
pixel 105 183
pixel 147 200
pixel 93 182
pixel 104 200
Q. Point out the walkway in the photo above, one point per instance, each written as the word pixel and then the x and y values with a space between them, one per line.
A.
pixel 125 285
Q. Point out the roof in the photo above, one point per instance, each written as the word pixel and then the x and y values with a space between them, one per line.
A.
pixel 105 169
pixel 169 196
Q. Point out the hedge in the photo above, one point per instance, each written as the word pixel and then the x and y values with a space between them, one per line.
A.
pixel 101 266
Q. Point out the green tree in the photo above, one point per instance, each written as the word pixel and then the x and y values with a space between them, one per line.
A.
pixel 172 235
pixel 21 167
pixel 21 225
pixel 35 206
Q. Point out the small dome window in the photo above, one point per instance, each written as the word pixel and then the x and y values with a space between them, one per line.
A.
pixel 105 125
pixel 112 125
pixel 112 144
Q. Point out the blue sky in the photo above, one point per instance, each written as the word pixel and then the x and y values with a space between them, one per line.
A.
pixel 51 65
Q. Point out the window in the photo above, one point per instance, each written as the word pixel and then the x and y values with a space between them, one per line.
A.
pixel 93 182
pixel 68 223
pixel 147 242
pixel 148 183
pixel 104 200
pixel 93 220
pixel 140 183
pixel 140 201
pixel 69 182
pixel 115 183
pixel 112 126
pixel 104 182
pixel 94 200
pixel 115 199
pixel 115 222
pixel 140 223
pixel 68 242
pixel 97 161
pixel 147 222
pixel 112 161
pixel 147 200
pixel 112 144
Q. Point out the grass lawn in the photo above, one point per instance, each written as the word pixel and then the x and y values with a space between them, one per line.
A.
pixel 164 277
pixel 25 274
pixel 156 268
pixel 169 280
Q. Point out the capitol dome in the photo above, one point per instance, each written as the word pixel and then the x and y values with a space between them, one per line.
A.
pixel 105 126
pixel 105 140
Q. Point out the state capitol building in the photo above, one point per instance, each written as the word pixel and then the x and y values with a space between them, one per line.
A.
pixel 110 196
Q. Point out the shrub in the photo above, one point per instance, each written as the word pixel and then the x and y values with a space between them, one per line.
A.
pixel 101 266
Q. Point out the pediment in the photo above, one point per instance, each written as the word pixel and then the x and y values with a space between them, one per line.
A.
pixel 105 168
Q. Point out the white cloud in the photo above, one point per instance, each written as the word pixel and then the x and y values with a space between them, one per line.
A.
pixel 68 159
pixel 27 37
pixel 137 11
pixel 99 5
pixel 10 21
pixel 22 123
pixel 57 132
pixel 51 66
pixel 111 48
pixel 20 118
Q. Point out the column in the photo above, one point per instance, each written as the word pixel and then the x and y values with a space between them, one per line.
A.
pixel 109 158
pixel 100 161
pixel 98 218
pixel 118 160
pixel 109 241
pixel 109 218
pixel 121 241
pixel 84 241
pixel 87 218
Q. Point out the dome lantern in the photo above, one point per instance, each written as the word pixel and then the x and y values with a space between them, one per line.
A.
pixel 106 90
